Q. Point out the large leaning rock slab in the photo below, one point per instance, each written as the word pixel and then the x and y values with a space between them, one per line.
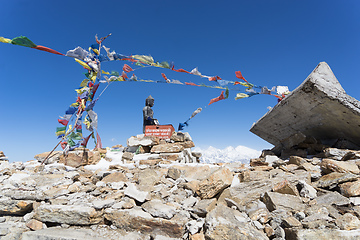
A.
pixel 68 214
pixel 318 108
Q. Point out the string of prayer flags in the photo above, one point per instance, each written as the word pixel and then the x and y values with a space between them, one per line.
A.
pixel 25 42
pixel 91 59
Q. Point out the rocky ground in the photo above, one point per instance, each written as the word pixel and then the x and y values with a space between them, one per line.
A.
pixel 166 198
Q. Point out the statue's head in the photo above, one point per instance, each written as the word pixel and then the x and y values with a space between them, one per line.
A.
pixel 149 101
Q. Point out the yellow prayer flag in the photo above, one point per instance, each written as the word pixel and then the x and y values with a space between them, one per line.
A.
pixel 83 64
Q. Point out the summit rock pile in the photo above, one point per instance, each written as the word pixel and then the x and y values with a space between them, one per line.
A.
pixel 296 198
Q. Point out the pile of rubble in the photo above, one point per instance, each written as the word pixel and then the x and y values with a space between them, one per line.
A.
pixel 297 198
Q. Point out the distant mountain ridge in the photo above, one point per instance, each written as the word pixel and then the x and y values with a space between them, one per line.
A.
pixel 229 154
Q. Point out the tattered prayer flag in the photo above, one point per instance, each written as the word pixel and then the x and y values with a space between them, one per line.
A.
pixel 241 95
pixel 63 121
pixel 179 70
pixel 46 49
pixel 98 140
pixel 240 76
pixel 164 76
pixel 191 84
pixel 196 112
pixel 214 78
pixel 5 40
pixel 221 97
pixel 23 41
pixel 127 68
pixel 195 71
pixel 226 93
pixel 124 76
pixel 83 64
pixel 85 141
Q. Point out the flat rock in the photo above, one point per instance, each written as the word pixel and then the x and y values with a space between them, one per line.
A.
pixel 321 234
pixel 115 177
pixel 142 141
pixel 274 200
pixel 138 220
pixel 68 214
pixel 329 165
pixel 132 192
pixel 307 111
pixel 331 180
pixel 332 198
pixel 15 207
pixel 167 148
pixel 348 222
pixel 158 209
pixel 61 234
pixel 350 189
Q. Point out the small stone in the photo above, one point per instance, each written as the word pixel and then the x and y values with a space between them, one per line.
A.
pixel 290 222
pixel 174 173
pixel 296 160
pixel 285 187
pixel 34 224
pixel 348 222
pixel 269 230
pixel 307 190
pixel 115 177
pixel 350 189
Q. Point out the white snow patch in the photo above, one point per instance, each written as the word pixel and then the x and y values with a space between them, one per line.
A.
pixel 229 154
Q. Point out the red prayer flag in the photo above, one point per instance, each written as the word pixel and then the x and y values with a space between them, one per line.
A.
pixel 85 141
pixel 63 121
pixel 98 140
pixel 63 144
pixel 127 68
pixel 240 76
pixel 179 70
pixel 164 76
pixel 123 74
pixel 214 78
pixel 46 49
pixel 192 84
pixel 221 97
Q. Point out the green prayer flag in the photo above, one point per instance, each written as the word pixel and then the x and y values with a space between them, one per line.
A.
pixel 23 41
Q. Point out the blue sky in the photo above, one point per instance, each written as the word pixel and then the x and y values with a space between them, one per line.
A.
pixel 270 42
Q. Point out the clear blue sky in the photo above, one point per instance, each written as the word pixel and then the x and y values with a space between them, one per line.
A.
pixel 270 42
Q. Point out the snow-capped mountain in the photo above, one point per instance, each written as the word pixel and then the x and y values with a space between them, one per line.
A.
pixel 229 154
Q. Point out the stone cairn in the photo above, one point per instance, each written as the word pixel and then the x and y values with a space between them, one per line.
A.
pixel 297 198
pixel 2 156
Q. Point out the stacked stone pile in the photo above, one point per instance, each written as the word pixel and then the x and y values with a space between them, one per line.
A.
pixel 148 150
pixel 298 198
pixel 151 149
pixel 2 156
